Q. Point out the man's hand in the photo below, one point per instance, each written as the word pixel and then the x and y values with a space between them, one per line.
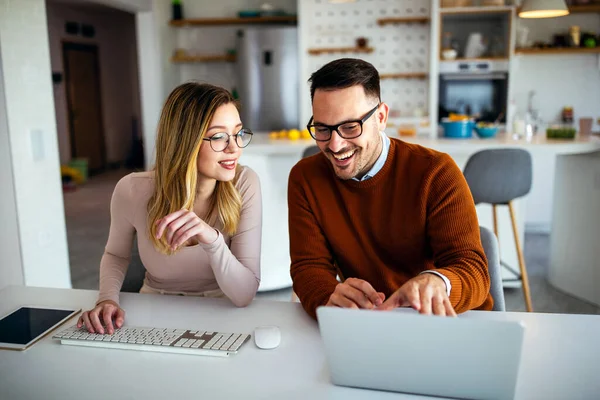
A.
pixel 426 293
pixel 355 293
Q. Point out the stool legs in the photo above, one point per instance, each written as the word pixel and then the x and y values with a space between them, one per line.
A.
pixel 524 278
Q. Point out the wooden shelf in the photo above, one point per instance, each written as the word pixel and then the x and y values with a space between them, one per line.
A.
pixel 502 58
pixel 475 10
pixel 405 20
pixel 291 19
pixel 578 9
pixel 204 58
pixel 405 75
pixel 315 52
pixel 588 8
pixel 565 50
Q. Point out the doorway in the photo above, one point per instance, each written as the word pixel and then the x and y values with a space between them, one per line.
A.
pixel 84 108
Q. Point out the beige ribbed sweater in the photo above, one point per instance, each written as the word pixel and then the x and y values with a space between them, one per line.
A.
pixel 416 214
pixel 230 263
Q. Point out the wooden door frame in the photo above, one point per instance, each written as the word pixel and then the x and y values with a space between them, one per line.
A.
pixel 92 48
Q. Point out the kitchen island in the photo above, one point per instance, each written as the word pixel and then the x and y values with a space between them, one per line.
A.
pixel 566 183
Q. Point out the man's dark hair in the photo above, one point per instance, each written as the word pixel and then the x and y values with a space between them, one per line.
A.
pixel 345 73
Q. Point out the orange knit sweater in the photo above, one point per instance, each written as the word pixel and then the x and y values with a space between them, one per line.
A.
pixel 416 214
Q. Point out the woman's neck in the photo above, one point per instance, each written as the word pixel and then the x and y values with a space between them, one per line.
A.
pixel 205 188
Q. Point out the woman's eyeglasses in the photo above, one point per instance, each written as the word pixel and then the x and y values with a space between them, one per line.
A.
pixel 220 141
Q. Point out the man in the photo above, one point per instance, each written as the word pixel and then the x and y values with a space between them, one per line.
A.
pixel 395 221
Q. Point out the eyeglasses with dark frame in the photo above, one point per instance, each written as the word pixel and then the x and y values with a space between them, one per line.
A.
pixel 347 129
pixel 220 141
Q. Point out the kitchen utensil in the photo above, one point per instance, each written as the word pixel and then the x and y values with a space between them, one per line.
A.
pixel 575 35
pixel 486 131
pixel 522 37
pixel 499 117
pixel 475 46
pixel 585 126
pixel 458 129
pixel 449 54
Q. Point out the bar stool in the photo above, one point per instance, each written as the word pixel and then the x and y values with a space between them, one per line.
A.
pixel 498 177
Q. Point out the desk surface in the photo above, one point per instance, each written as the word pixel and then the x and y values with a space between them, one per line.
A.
pixel 561 356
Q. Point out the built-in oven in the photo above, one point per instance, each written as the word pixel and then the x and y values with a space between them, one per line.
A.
pixel 475 88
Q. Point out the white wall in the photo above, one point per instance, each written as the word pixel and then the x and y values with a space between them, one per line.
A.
pixel 558 81
pixel 399 48
pixel 11 270
pixel 119 81
pixel 212 40
pixel 157 41
pixel 37 191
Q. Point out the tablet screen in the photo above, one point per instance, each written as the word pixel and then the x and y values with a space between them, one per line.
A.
pixel 26 324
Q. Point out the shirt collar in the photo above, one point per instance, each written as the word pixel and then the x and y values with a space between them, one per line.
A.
pixel 385 148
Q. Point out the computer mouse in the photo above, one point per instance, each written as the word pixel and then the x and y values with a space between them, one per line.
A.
pixel 267 337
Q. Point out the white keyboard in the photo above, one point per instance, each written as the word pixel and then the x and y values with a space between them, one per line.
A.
pixel 163 340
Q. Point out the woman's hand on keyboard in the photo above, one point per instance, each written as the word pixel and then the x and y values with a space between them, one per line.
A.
pixel 100 318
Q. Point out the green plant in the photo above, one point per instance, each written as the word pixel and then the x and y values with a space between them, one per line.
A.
pixel 561 133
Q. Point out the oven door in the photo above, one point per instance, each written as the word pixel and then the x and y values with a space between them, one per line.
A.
pixel 483 96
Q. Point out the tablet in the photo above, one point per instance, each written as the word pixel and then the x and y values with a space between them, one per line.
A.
pixel 24 326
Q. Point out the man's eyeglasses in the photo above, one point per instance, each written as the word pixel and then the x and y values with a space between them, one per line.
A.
pixel 220 141
pixel 347 129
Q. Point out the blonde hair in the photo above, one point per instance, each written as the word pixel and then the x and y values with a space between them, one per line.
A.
pixel 184 120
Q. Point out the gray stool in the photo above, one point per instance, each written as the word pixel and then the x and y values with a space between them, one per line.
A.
pixel 498 177
pixel 490 248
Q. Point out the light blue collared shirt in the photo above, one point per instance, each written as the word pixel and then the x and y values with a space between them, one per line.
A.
pixel 373 171
pixel 380 161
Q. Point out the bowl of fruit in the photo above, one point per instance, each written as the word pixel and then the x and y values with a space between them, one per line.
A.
pixel 486 129
pixel 290 134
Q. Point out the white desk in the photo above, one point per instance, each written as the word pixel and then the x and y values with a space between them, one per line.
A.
pixel 561 357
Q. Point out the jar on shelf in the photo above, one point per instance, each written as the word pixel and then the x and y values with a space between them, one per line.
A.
pixel 567 115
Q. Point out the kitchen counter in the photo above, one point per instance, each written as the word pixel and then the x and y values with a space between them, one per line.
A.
pixel 559 177
pixel 262 144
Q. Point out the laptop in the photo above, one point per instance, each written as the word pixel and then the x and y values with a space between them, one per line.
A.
pixel 403 351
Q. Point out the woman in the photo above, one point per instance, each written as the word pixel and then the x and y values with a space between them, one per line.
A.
pixel 197 214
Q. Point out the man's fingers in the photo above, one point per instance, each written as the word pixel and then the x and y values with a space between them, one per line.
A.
pixel 342 301
pixel 366 288
pixel 438 307
pixel 449 309
pixel 425 296
pixel 394 301
pixel 412 297
pixel 357 296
